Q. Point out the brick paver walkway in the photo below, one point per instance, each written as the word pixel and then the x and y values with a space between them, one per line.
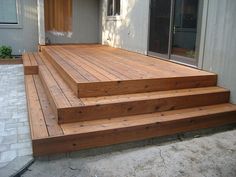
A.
pixel 14 127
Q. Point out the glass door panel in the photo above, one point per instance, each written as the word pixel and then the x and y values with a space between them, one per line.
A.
pixel 160 26
pixel 185 20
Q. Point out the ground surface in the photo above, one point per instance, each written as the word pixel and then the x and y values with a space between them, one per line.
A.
pixel 209 156
pixel 15 138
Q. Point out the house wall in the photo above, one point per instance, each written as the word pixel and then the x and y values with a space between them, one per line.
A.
pixel 85 24
pixel 25 38
pixel 131 30
pixel 218 39
pixel 220 43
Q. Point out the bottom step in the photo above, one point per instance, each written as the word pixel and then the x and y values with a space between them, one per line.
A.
pixel 48 137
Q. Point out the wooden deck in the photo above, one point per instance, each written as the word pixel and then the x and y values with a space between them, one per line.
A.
pixel 97 70
pixel 83 96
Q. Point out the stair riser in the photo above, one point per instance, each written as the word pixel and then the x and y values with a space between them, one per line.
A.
pixel 66 115
pixel 144 85
pixel 30 70
pixel 66 77
pixel 97 139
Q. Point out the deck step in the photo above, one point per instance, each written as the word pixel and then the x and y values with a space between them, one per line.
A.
pixel 30 64
pixel 89 76
pixel 49 137
pixel 68 108
pixel 96 133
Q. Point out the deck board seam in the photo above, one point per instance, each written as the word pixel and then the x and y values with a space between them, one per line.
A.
pixel 72 55
pixel 81 68
pixel 41 106
pixel 117 73
pixel 59 85
pixel 69 65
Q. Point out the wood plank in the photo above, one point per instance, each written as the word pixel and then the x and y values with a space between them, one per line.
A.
pixel 98 72
pixel 68 75
pixel 54 92
pixel 155 62
pixel 26 60
pixel 126 73
pixel 29 68
pixel 144 85
pixel 119 69
pixel 69 94
pixel 150 95
pixel 153 127
pixel 37 57
pixel 78 68
pixel 50 118
pixel 145 70
pixel 104 65
pixel 32 59
pixel 145 119
pixel 36 117
pixel 143 104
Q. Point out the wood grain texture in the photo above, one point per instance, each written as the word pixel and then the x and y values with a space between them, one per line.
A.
pixel 30 64
pixel 95 70
pixel 119 132
pixel 58 15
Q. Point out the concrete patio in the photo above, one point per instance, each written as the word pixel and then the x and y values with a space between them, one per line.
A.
pixel 212 155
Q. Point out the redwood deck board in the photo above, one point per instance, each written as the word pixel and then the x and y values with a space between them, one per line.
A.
pixel 71 97
pixel 96 70
pixel 36 117
pixel 90 134
pixel 30 64
pixel 108 96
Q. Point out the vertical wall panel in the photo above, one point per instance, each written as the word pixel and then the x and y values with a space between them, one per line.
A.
pixel 220 43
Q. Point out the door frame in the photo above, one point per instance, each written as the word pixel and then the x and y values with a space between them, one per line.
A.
pixel 202 34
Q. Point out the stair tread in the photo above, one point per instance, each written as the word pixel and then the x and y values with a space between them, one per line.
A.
pixel 74 74
pixel 74 101
pixel 144 119
pixel 65 89
pixel 150 95
pixel 42 119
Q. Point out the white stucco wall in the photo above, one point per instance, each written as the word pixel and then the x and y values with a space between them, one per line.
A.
pixel 85 24
pixel 25 38
pixel 131 30
pixel 220 43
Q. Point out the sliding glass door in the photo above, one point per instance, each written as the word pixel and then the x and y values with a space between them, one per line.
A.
pixel 174 30
pixel 160 27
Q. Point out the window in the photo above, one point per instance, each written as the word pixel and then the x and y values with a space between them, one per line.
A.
pixel 113 7
pixel 9 13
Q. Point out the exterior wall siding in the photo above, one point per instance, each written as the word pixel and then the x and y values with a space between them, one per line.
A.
pixel 25 38
pixel 220 43
pixel 85 24
pixel 130 31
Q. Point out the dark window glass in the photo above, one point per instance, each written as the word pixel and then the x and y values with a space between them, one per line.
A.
pixel 109 7
pixel 113 7
pixel 159 26
pixel 117 7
